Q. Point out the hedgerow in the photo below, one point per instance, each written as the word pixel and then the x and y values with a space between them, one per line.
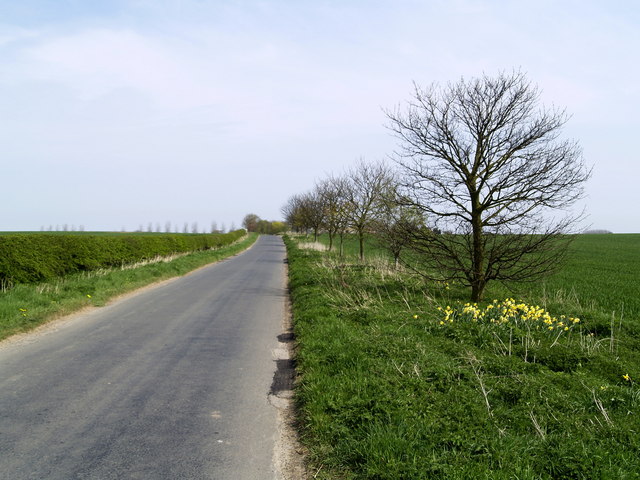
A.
pixel 33 257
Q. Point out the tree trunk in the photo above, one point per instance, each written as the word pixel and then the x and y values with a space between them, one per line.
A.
pixel 330 240
pixel 361 242
pixel 478 280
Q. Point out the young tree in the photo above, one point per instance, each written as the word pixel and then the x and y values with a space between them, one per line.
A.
pixel 396 226
pixel 367 185
pixel 332 194
pixel 312 212
pixel 482 160
pixel 304 212
pixel 290 212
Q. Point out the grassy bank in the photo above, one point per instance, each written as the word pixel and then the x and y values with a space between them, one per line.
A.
pixel 403 380
pixel 26 306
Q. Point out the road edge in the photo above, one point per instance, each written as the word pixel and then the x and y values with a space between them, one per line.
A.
pixel 289 456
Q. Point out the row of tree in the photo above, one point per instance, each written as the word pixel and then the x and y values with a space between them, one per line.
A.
pixel 253 223
pixel 478 192
pixel 361 201
pixel 186 228
pixel 168 228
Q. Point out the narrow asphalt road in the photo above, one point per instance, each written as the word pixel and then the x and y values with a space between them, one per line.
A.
pixel 171 383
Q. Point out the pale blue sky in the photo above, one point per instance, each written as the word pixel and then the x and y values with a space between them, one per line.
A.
pixel 119 113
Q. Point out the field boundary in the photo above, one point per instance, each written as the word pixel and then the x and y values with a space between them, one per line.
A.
pixel 57 318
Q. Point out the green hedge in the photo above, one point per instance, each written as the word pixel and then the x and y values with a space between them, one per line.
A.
pixel 33 257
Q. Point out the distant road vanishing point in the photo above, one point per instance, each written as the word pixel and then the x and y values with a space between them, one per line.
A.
pixel 169 383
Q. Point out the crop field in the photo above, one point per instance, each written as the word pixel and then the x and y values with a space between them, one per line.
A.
pixel 404 379
pixel 43 276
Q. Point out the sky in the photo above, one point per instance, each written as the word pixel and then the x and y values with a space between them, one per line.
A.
pixel 118 114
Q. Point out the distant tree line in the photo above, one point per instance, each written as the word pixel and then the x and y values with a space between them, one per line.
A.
pixel 478 190
pixel 168 227
pixel 253 223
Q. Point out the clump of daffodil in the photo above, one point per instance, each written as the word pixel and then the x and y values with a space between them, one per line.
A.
pixel 449 314
pixel 509 313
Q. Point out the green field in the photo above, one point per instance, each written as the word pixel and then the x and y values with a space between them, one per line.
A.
pixel 399 379
pixel 601 274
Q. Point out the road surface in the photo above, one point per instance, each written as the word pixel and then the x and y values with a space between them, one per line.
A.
pixel 171 383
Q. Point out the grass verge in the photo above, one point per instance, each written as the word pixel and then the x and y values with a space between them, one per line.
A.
pixel 25 307
pixel 400 379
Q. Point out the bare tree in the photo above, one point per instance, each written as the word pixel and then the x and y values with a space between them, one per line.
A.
pixel 250 222
pixel 294 214
pixel 304 212
pixel 313 212
pixel 367 184
pixel 484 161
pixel 332 193
pixel 396 225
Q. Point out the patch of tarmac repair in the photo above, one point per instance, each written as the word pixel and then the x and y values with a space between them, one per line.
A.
pixel 288 455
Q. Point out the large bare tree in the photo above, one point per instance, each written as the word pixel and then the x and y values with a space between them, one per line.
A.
pixel 484 161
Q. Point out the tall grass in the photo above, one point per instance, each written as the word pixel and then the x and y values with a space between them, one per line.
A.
pixel 401 379
pixel 25 306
